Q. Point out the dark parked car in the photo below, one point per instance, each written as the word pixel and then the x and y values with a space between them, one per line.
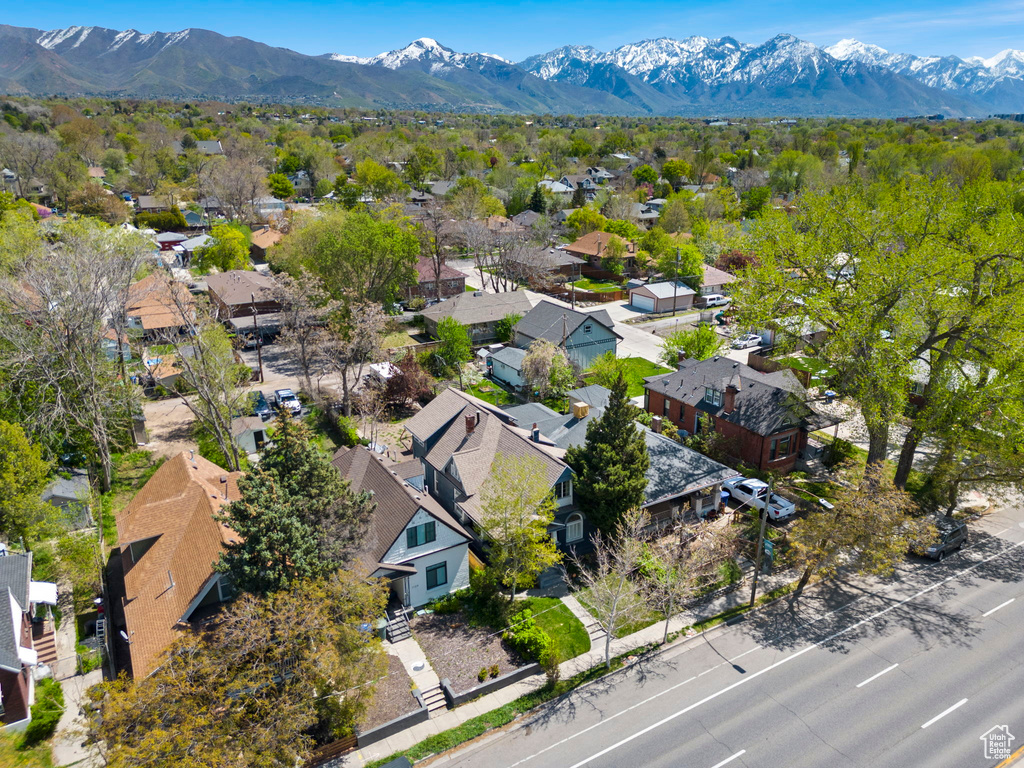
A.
pixel 952 537
pixel 260 406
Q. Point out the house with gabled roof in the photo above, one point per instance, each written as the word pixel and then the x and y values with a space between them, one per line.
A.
pixel 21 648
pixel 766 415
pixel 584 336
pixel 169 539
pixel 159 307
pixel 457 438
pixel 410 538
pixel 479 311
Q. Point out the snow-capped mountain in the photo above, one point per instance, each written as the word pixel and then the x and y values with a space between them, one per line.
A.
pixel 678 61
pixel 426 54
pixel 974 75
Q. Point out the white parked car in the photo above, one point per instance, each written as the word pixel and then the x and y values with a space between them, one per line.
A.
pixel 746 341
pixel 286 399
pixel 752 492
pixel 715 300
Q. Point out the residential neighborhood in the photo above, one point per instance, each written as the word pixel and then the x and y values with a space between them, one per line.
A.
pixel 383 433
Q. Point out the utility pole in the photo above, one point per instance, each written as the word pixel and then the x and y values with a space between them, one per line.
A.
pixel 256 334
pixel 675 284
pixel 760 545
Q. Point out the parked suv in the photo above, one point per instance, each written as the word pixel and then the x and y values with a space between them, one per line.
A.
pixel 260 406
pixel 752 492
pixel 285 399
pixel 952 537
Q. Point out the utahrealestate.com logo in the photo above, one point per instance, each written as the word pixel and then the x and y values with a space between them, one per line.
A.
pixel 998 741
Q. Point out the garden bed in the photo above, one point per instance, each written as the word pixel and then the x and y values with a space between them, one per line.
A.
pixel 458 651
pixel 392 697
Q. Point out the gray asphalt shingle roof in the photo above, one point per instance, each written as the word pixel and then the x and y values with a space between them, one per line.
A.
pixel 479 307
pixel 15 574
pixel 765 403
pixel 510 356
pixel 551 322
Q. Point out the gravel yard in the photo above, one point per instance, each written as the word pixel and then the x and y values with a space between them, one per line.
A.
pixel 392 697
pixel 458 651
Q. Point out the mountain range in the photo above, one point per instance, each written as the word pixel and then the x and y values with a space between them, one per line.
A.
pixel 690 77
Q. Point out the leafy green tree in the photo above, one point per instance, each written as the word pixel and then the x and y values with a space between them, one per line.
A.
pixel 280 186
pixel 357 253
pixel 229 249
pixel 584 221
pixel 287 671
pixel 683 262
pixel 537 202
pixel 699 343
pixel 562 377
pixel 627 230
pixel 792 170
pixel 754 200
pixel 504 329
pixel 606 369
pixel 675 171
pixel 611 466
pixel 455 348
pixel 645 175
pixel 613 256
pixel 23 473
pixel 517 506
pixel 382 183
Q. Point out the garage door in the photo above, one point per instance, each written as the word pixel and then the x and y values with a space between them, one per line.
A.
pixel 645 303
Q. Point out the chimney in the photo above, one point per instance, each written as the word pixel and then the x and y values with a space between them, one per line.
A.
pixel 656 424
pixel 535 433
pixel 729 401
pixel 224 482
pixel 680 357
pixel 580 410
pixel 598 245
pixel 470 423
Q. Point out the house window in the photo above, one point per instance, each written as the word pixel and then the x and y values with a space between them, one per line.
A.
pixel 419 535
pixel 588 328
pixel 437 575
pixel 781 447
pixel 712 396
pixel 563 489
pixel 666 408
pixel 574 527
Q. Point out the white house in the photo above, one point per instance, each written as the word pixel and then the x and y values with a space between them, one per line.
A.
pixel 411 539
pixel 506 365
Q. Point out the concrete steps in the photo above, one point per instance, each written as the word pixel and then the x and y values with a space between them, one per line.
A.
pixel 434 700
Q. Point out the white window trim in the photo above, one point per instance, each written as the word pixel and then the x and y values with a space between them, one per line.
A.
pixel 574 528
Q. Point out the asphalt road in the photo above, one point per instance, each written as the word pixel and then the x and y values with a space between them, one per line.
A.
pixel 910 671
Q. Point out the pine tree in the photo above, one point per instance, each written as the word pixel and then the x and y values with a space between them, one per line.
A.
pixel 611 466
pixel 537 202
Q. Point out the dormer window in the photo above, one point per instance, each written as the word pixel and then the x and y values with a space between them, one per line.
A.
pixel 712 396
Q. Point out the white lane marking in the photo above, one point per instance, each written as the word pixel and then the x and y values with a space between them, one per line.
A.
pixel 755 648
pixel 1001 532
pixel 988 613
pixel 799 653
pixel 729 759
pixel 877 675
pixel 943 714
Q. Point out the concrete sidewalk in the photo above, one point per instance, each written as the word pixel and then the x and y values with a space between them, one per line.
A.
pixel 646 636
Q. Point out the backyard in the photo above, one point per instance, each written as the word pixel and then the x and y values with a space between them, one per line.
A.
pixel 598 286
pixel 490 392
pixel 635 369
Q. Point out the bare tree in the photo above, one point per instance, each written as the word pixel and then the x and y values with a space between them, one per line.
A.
pixel 307 308
pixel 372 405
pixel 240 181
pixel 613 597
pixel 674 570
pixel 437 236
pixel 357 342
pixel 66 292
pixel 214 382
pixel 27 155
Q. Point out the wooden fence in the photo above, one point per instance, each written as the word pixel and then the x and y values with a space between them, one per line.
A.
pixel 330 751
pixel 769 365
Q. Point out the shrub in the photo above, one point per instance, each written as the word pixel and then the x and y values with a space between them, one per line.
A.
pixel 494 670
pixel 482 674
pixel 446 604
pixel 417 304
pixel 526 638
pixel 46 712
pixel 839 451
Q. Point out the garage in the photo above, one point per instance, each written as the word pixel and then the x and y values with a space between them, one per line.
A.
pixel 644 303
pixel 660 297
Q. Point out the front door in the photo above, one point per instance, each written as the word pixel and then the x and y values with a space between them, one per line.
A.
pixel 406 595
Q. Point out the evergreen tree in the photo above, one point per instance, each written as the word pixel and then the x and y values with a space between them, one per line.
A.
pixel 537 203
pixel 611 466
pixel 277 548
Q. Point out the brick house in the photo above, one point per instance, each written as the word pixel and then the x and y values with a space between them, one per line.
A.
pixel 453 282
pixel 766 415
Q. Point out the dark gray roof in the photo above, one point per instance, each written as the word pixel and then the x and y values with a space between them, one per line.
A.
pixel 480 307
pixel 74 488
pixel 766 403
pixel 528 414
pixel 15 574
pixel 545 321
pixel 510 356
pixel 526 218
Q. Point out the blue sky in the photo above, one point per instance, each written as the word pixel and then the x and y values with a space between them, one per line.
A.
pixel 516 30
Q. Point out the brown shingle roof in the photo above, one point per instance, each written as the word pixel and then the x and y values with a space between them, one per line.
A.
pixel 396 503
pixel 714 276
pixel 595 244
pixel 237 286
pixel 176 509
pixel 155 301
pixel 425 271
pixel 266 238
pixel 480 307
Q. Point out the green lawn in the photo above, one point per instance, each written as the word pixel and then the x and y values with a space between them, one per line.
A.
pixel 819 370
pixel 12 757
pixel 598 286
pixel 636 369
pixel 491 393
pixel 397 339
pixel 644 618
pixel 567 632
